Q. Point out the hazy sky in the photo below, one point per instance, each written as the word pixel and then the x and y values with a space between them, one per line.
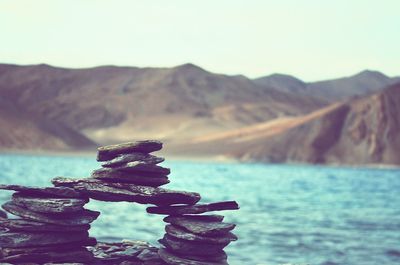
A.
pixel 311 39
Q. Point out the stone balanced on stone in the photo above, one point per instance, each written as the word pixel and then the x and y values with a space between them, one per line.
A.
pixel 195 239
pixel 53 226
pixel 129 173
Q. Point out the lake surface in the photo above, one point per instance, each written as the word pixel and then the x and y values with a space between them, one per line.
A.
pixel 296 214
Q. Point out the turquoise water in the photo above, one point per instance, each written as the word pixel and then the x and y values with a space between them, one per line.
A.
pixel 296 214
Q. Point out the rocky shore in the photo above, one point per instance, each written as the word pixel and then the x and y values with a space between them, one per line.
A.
pixel 53 225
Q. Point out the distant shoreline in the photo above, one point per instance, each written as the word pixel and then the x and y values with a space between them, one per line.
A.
pixel 187 157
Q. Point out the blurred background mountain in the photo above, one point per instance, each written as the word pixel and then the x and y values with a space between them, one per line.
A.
pixel 276 118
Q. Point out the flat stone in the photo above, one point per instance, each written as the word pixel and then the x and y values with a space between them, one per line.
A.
pixel 194 209
pixel 202 218
pixel 78 218
pixel 105 191
pixel 184 235
pixel 172 259
pixel 33 226
pixel 209 258
pixel 56 255
pixel 31 239
pixel 5 252
pixel 144 169
pixel 111 151
pixel 133 157
pixel 203 228
pixel 112 175
pixel 49 205
pixel 191 247
pixel 57 192
pixel 3 214
pixel 127 250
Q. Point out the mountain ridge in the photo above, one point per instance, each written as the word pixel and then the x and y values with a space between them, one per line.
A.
pixel 359 131
pixel 361 83
pixel 45 107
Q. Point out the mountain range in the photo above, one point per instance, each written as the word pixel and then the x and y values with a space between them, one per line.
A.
pixel 51 108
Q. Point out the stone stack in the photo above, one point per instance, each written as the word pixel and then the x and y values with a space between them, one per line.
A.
pixel 195 239
pixel 129 173
pixel 53 226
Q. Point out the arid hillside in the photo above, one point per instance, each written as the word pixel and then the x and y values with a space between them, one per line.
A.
pixel 275 119
pixel 113 104
pixel 358 131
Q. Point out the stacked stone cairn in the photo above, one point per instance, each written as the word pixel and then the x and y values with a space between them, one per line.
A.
pixel 52 226
pixel 54 217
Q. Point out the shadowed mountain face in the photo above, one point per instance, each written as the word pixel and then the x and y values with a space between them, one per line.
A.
pixel 363 83
pixel 111 104
pixel 359 131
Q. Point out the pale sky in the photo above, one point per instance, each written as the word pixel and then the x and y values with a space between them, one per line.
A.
pixel 310 39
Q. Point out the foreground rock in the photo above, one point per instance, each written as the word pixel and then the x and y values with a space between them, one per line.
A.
pixel 115 176
pixel 58 192
pixel 34 226
pixel 176 232
pixel 71 219
pixel 111 151
pixel 204 228
pixel 185 247
pixel 49 205
pixel 127 251
pixel 172 259
pixel 61 256
pixel 106 191
pixel 53 227
pixel 132 157
pixel 194 209
pixel 195 239
pixel 144 169
pixel 31 239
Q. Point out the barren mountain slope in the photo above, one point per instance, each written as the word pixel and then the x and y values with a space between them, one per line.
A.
pixel 118 103
pixel 20 131
pixel 359 131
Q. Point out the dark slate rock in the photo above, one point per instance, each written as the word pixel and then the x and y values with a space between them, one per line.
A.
pixel 33 226
pixel 105 191
pixel 112 175
pixel 57 192
pixel 194 209
pixel 202 218
pixel 111 151
pixel 60 255
pixel 26 251
pixel 32 239
pixel 126 158
pixel 184 235
pixel 127 250
pixel 3 214
pixel 184 247
pixel 222 257
pixel 78 218
pixel 144 169
pixel 49 205
pixel 172 259
pixel 203 228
